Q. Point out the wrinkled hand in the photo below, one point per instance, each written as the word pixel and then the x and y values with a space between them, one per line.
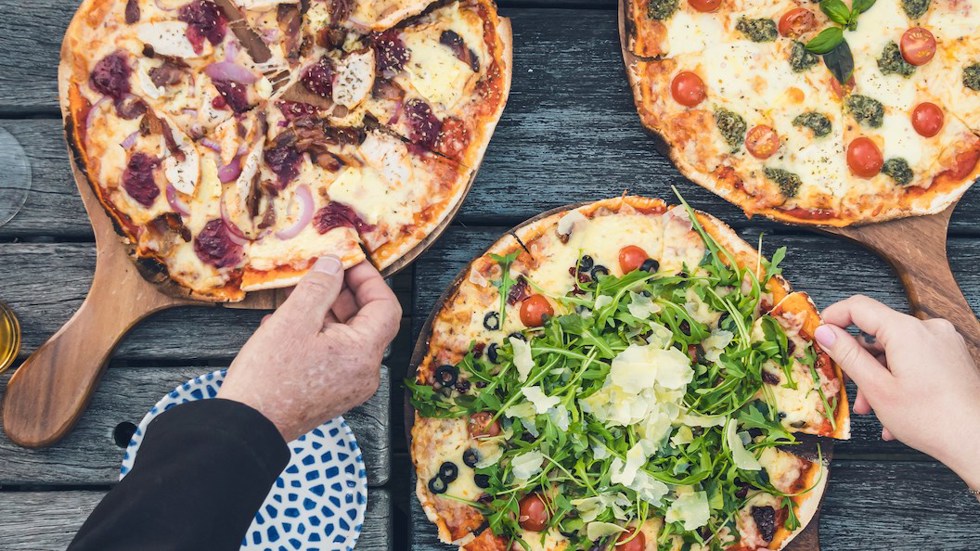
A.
pixel 917 376
pixel 320 353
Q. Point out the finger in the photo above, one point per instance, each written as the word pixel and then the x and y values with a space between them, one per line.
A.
pixel 887 434
pixel 265 318
pixel 345 306
pixel 857 362
pixel 861 405
pixel 871 343
pixel 379 312
pixel 308 304
pixel 869 315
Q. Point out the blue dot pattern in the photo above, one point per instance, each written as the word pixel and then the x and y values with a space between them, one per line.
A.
pixel 317 503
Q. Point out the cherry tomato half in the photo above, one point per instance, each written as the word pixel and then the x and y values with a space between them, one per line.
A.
pixel 918 46
pixel 927 119
pixel 480 425
pixel 796 22
pixel 639 543
pixel 705 5
pixel 533 513
pixel 631 258
pixel 687 89
pixel 966 161
pixel 864 158
pixel 762 141
pixel 534 309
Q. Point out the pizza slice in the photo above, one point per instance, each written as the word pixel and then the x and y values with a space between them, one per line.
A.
pixel 953 74
pixel 442 80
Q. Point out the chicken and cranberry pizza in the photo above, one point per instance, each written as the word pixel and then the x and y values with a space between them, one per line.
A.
pixel 830 113
pixel 622 375
pixel 235 141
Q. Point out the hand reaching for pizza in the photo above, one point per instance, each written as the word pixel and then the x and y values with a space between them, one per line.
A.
pixel 319 354
pixel 917 376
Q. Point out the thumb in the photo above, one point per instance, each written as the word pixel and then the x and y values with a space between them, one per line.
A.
pixel 853 358
pixel 308 304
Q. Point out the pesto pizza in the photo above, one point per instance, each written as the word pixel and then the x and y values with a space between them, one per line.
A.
pixel 831 113
pixel 235 141
pixel 625 374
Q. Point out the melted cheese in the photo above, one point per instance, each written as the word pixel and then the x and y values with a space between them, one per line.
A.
pixel 692 31
pixel 169 38
pixel 434 70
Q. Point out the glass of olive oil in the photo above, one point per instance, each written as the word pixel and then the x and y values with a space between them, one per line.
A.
pixel 9 337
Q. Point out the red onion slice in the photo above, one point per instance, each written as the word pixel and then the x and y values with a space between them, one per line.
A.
pixel 304 197
pixel 230 171
pixel 211 144
pixel 231 51
pixel 130 140
pixel 226 70
pixel 176 203
pixel 235 235
pixel 90 117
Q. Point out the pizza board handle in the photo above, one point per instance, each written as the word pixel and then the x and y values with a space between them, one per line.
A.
pixel 916 248
pixel 49 391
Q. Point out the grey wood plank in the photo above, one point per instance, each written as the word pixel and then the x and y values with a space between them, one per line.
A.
pixel 44 283
pixel 901 506
pixel 827 268
pixel 90 456
pixel 47 521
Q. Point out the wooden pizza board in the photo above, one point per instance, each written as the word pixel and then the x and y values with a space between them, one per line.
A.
pixel 806 540
pixel 47 394
pixel 914 246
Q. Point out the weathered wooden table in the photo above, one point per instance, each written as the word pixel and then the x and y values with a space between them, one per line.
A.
pixel 569 134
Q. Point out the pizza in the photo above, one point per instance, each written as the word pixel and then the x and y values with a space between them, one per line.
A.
pixel 622 372
pixel 233 142
pixel 813 113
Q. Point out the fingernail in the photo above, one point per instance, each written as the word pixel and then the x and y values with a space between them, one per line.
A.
pixel 825 336
pixel 328 264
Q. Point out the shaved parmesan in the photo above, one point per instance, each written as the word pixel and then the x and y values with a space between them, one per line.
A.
pixel 624 473
pixel 649 489
pixel 743 458
pixel 541 401
pixel 522 358
pixel 526 465
pixel 642 306
pixel 691 509
pixel 715 344
pixel 598 530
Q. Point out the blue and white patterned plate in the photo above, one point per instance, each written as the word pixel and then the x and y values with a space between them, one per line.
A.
pixel 319 500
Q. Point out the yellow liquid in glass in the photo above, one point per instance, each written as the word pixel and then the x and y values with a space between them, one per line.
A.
pixel 9 337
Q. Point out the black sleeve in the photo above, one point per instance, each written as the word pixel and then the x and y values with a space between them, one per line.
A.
pixel 201 473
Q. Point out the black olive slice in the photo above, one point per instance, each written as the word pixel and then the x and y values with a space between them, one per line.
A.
pixel 448 471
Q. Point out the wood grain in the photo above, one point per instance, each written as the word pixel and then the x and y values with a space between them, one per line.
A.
pixel 47 521
pixel 916 249
pixel 89 455
pixel 900 506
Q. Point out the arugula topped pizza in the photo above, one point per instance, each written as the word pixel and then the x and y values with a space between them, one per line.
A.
pixel 832 113
pixel 622 373
pixel 235 141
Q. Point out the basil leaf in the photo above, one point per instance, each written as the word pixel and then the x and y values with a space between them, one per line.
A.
pixel 836 10
pixel 861 6
pixel 827 40
pixel 840 62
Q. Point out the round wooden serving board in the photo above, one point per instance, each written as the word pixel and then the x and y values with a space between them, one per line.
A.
pixel 807 540
pixel 48 393
pixel 915 247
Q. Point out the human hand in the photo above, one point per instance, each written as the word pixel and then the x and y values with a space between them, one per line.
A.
pixel 917 376
pixel 320 353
